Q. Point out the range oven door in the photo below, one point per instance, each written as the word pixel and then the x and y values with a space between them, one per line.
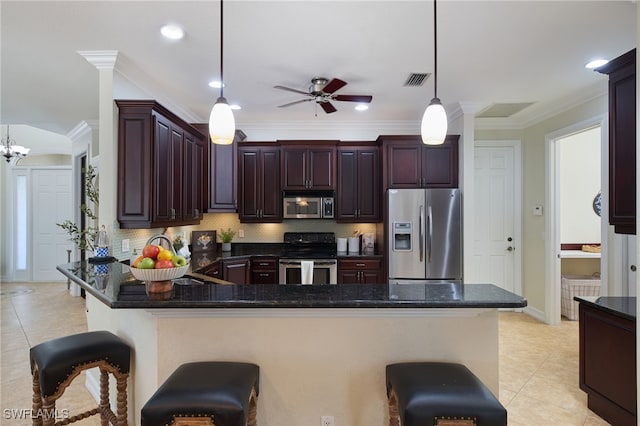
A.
pixel 325 271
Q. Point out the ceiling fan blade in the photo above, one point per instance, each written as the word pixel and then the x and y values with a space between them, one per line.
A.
pixel 353 98
pixel 292 90
pixel 327 107
pixel 334 85
pixel 295 102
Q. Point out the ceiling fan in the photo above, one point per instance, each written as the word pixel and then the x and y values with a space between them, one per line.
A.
pixel 322 91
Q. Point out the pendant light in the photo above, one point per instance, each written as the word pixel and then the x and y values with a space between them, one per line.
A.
pixel 434 120
pixel 222 125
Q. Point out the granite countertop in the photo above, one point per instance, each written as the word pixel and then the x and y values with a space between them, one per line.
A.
pixel 624 307
pixel 114 285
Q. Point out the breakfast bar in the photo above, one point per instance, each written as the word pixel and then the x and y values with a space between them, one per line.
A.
pixel 322 350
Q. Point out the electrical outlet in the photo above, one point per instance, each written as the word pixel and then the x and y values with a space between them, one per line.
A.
pixel 240 233
pixel 327 421
pixel 125 245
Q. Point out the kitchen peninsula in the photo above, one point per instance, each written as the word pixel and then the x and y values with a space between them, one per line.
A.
pixel 322 350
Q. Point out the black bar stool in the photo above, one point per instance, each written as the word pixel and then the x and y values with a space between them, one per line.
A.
pixel 55 363
pixel 205 393
pixel 440 394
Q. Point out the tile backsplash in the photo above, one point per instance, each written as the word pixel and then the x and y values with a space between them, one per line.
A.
pixel 253 232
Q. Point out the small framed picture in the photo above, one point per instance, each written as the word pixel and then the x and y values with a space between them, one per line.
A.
pixel 203 241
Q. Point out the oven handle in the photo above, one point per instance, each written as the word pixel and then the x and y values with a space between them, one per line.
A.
pixel 315 263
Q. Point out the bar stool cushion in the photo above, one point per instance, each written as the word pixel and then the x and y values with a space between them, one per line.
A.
pixel 56 359
pixel 220 390
pixel 427 391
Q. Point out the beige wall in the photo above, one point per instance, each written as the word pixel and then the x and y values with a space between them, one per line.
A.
pixel 534 187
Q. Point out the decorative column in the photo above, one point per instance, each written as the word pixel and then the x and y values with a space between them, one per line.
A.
pixel 467 175
pixel 105 61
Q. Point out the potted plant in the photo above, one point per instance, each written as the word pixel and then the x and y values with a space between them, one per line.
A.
pixel 85 237
pixel 226 235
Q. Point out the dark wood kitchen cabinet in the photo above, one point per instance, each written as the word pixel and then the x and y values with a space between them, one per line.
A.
pixel 236 271
pixel 608 363
pixel 221 188
pixel 264 270
pixel 360 271
pixel 408 163
pixel 214 270
pixel 161 166
pixel 259 198
pixel 358 193
pixel 622 142
pixel 308 165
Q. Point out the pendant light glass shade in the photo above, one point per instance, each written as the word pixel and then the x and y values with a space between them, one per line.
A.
pixel 222 125
pixel 434 123
pixel 434 120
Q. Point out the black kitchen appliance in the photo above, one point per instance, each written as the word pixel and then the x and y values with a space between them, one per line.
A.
pixel 310 255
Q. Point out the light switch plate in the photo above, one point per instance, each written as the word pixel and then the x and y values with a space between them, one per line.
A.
pixel 537 210
pixel 125 245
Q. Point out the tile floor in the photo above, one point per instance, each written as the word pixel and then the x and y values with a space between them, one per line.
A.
pixel 538 363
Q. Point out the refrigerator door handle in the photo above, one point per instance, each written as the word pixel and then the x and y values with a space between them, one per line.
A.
pixel 421 233
pixel 429 231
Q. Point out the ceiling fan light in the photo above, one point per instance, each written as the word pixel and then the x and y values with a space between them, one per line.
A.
pixel 222 125
pixel 434 123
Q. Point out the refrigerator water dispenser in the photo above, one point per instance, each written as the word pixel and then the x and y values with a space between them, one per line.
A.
pixel 402 236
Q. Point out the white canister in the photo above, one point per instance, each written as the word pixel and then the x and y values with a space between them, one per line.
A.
pixel 354 244
pixel 342 244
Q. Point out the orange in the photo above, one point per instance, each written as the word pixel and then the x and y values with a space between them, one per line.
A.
pixel 135 262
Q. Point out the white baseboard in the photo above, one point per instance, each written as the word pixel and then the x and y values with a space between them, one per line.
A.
pixel 535 313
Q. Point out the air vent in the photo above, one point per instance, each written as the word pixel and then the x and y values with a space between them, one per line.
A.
pixel 416 79
pixel 503 110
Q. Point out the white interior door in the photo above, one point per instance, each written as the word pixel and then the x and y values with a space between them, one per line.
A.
pixel 496 251
pixel 51 203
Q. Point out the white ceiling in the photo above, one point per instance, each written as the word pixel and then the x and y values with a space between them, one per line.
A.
pixel 489 52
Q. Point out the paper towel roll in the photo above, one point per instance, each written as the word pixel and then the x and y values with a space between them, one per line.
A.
pixel 354 245
pixel 342 244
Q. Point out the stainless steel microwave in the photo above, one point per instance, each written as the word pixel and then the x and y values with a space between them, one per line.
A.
pixel 307 207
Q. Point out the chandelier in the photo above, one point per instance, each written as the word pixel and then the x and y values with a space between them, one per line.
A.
pixel 12 152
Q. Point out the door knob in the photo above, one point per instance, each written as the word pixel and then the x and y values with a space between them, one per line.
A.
pixel 510 248
pixel 633 268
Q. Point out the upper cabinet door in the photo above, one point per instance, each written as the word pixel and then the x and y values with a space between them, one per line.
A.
pixel 308 166
pixel 259 192
pixel 408 163
pixel 294 168
pixel 161 167
pixel 622 142
pixel 440 164
pixel 358 194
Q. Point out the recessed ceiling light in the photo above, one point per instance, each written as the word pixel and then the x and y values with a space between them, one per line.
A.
pixel 361 107
pixel 215 84
pixel 234 106
pixel 172 32
pixel 596 63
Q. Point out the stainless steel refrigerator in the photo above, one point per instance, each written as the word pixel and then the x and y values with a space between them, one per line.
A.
pixel 425 235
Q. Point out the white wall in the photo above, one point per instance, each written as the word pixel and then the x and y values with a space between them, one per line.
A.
pixel 579 184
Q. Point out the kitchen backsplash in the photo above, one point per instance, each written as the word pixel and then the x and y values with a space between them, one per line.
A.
pixel 253 232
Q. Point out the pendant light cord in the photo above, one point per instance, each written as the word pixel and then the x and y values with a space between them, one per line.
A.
pixel 435 52
pixel 221 52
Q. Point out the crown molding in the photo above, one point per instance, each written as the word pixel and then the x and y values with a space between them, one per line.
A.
pixel 101 59
pixel 81 129
pixel 138 77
